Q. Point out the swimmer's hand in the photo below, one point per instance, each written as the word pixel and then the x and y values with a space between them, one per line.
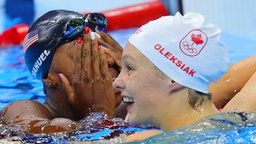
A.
pixel 90 89
pixel 113 48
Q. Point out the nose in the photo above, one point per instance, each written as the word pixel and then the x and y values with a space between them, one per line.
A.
pixel 118 83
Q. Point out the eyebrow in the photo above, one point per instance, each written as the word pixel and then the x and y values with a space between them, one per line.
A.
pixel 125 57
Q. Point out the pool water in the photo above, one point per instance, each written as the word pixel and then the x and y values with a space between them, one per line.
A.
pixel 95 127
pixel 15 80
pixel 222 128
pixel 16 83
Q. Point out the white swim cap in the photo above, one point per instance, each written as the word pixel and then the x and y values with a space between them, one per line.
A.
pixel 184 48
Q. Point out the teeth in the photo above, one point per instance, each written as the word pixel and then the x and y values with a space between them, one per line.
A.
pixel 128 100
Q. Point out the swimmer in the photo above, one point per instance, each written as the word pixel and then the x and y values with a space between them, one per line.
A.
pixel 166 81
pixel 198 103
pixel 59 48
pixel 236 89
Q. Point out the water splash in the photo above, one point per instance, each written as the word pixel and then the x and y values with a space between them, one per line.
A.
pixel 95 127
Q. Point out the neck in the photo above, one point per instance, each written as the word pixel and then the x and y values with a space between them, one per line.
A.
pixel 60 109
pixel 183 114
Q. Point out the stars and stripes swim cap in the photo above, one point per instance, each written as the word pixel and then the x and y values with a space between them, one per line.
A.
pixel 43 38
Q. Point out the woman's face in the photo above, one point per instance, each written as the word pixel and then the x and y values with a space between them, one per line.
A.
pixel 140 85
pixel 64 62
pixel 64 59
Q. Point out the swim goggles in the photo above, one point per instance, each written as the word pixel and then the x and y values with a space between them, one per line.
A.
pixel 75 27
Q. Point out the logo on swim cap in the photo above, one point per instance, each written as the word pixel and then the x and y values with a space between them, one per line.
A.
pixel 43 38
pixel 193 43
pixel 30 39
pixel 185 48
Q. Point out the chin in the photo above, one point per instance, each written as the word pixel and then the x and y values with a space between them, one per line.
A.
pixel 133 118
pixel 141 120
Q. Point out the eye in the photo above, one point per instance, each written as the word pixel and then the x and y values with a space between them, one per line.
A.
pixel 114 78
pixel 129 68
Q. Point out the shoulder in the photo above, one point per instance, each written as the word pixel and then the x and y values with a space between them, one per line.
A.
pixel 142 135
pixel 23 110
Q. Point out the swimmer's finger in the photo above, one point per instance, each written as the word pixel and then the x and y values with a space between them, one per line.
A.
pixel 83 56
pixel 104 65
pixel 68 88
pixel 104 96
pixel 113 48
pixel 109 42
pixel 87 56
pixel 77 61
pixel 116 57
pixel 95 60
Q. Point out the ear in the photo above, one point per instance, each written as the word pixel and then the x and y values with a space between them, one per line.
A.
pixel 50 81
pixel 174 86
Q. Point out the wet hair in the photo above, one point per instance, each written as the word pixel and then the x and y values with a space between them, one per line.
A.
pixel 195 98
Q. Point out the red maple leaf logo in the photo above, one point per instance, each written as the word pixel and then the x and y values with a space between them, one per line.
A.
pixel 197 38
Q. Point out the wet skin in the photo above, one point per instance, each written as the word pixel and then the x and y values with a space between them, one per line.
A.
pixel 79 82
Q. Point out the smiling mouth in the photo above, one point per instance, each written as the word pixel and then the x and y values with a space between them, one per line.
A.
pixel 128 100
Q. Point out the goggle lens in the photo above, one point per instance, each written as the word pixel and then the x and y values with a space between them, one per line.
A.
pixel 74 27
pixel 98 20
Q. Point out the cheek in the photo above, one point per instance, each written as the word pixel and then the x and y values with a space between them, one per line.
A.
pixel 67 71
pixel 143 83
pixel 138 86
pixel 60 63
pixel 147 89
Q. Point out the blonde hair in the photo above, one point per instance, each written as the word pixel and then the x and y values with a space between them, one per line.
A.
pixel 195 98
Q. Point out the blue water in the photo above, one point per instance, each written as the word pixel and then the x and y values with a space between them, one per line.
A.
pixel 222 128
pixel 16 83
